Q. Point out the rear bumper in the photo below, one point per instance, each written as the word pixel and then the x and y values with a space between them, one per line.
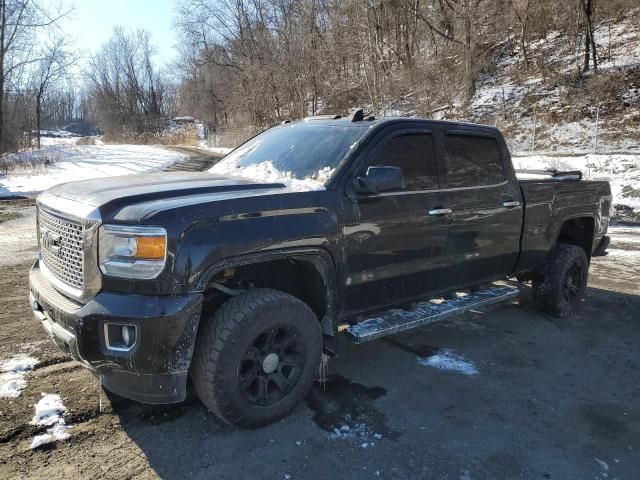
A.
pixel 154 369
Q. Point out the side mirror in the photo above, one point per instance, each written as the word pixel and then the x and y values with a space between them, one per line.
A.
pixel 378 179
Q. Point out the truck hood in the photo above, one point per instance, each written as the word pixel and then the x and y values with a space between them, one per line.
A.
pixel 129 189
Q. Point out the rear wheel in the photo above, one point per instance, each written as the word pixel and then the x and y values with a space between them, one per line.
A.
pixel 564 281
pixel 256 357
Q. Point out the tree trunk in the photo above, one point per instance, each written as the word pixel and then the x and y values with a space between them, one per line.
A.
pixel 38 107
pixel 589 38
pixel 3 27
pixel 470 83
pixel 1 106
pixel 523 44
pixel 587 55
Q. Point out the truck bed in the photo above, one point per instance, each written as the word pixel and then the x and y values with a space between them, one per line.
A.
pixel 552 200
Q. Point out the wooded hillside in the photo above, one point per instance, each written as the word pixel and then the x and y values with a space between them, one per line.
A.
pixel 263 61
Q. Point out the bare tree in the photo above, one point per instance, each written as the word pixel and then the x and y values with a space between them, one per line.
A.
pixel 130 96
pixel 522 8
pixel 259 62
pixel 19 22
pixel 53 66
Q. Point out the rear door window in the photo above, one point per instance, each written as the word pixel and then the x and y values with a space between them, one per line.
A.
pixel 472 161
pixel 413 153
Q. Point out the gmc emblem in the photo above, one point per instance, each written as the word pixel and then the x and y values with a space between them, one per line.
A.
pixel 50 241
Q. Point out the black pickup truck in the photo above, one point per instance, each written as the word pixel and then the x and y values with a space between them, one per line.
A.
pixel 240 278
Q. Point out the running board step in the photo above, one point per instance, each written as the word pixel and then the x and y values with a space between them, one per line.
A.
pixel 395 321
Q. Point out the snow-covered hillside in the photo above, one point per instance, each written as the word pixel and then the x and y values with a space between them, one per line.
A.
pixel 621 170
pixel 34 171
pixel 549 106
pixel 564 109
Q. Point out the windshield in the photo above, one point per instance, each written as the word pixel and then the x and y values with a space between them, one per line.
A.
pixel 302 155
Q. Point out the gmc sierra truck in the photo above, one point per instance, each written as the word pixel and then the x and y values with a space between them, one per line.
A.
pixel 239 279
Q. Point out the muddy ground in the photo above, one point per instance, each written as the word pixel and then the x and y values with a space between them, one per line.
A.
pixel 553 399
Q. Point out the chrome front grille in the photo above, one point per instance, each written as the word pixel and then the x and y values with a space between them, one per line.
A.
pixel 61 251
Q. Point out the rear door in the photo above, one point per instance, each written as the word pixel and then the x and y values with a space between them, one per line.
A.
pixel 394 250
pixel 485 203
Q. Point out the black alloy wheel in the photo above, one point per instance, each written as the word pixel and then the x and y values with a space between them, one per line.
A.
pixel 272 365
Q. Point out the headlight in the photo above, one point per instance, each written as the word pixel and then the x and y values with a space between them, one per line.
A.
pixel 132 251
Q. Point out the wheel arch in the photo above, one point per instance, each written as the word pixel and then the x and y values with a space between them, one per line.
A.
pixel 579 231
pixel 307 274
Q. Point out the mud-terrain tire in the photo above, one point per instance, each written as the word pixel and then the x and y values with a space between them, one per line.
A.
pixel 256 357
pixel 563 282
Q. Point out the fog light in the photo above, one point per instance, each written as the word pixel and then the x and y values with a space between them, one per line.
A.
pixel 34 304
pixel 128 335
pixel 119 337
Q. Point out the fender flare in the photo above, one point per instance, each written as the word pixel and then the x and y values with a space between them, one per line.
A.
pixel 319 258
pixel 568 218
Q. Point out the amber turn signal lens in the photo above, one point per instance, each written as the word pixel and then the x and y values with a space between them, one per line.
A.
pixel 151 247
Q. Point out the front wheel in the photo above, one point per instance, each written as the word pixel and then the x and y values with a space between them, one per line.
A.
pixel 256 357
pixel 564 281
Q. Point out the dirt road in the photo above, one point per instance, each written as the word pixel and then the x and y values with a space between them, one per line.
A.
pixel 552 399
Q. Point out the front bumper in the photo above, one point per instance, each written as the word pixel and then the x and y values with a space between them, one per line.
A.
pixel 155 368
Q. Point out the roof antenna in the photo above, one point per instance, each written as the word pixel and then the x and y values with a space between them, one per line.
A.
pixel 358 116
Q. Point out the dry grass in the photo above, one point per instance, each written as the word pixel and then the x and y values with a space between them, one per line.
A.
pixel 15 163
pixel 186 135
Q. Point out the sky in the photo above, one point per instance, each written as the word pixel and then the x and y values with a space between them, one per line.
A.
pixel 91 22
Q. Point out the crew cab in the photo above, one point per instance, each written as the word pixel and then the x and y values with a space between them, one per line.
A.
pixel 240 277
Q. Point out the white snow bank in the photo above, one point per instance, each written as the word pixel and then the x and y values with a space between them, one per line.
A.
pixel 12 380
pixel 268 173
pixel 621 170
pixel 446 359
pixel 49 412
pixel 67 163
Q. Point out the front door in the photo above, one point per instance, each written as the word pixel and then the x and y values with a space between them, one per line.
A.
pixel 395 250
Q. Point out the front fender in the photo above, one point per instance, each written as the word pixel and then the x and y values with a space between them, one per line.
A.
pixel 320 259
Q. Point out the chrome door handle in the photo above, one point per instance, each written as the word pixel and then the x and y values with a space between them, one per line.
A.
pixel 440 211
pixel 511 204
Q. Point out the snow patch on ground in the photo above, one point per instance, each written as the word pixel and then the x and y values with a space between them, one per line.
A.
pixel 60 163
pixel 49 413
pixel 616 252
pixel 55 433
pixel 18 240
pixel 12 378
pixel 19 363
pixel 629 235
pixel 49 410
pixel 12 384
pixel 359 434
pixel 446 359
pixel 217 150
